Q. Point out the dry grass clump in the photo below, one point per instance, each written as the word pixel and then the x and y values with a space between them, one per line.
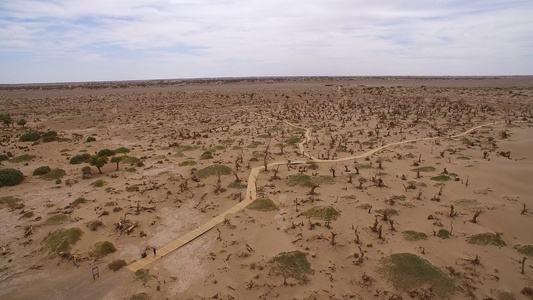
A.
pixel 11 202
pixel 56 219
pixel 116 264
pixel 263 204
pixel 291 265
pixel 408 271
pixel 486 239
pixel 101 249
pixel 55 174
pixel 324 213
pixel 413 236
pixel 525 249
pixel 62 240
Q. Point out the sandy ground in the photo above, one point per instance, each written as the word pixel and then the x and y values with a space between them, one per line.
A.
pixel 165 124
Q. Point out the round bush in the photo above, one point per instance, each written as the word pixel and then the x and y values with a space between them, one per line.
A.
pixel 41 171
pixel 80 158
pixel 10 177
pixel 30 136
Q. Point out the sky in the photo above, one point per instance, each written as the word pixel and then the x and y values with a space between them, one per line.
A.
pixel 103 40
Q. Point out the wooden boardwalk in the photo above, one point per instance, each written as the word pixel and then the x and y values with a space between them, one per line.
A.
pixel 251 194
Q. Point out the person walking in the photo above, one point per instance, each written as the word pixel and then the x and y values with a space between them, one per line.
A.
pixel 154 252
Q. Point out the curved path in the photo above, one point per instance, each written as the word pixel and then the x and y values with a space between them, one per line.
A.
pixel 251 192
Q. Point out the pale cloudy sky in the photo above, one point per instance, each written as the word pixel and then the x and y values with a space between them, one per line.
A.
pixel 93 40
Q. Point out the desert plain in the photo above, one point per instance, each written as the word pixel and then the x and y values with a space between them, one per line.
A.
pixel 307 188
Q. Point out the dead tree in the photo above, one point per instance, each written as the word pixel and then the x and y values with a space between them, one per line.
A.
pixel 313 188
pixel 474 219
pixel 332 241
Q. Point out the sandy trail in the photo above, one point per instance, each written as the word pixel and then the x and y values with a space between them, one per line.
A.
pixel 251 192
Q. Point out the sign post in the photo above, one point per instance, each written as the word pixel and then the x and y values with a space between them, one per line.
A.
pixel 96 273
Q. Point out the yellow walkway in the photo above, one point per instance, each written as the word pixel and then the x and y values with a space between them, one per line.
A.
pixel 251 191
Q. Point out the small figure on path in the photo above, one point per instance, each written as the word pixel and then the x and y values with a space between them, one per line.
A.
pixel 143 255
pixel 154 252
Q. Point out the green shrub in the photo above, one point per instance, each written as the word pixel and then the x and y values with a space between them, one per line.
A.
pixel 308 181
pixel 77 202
pixel 56 219
pixel 90 139
pixel 526 249
pixel 80 158
pixel 99 183
pixel 140 296
pixel 325 213
pixel 122 150
pixel 28 214
pixel 94 225
pixel 30 136
pixel 41 170
pixel 130 159
pixel 408 271
pixel 101 249
pixel 213 170
pixel 116 265
pixel 188 162
pixel 237 185
pixel 291 265
pixel 441 177
pixel 263 205
pixel 3 157
pixel 10 177
pixel 106 152
pixel 444 234
pixel 486 239
pixel 206 155
pixel 62 240
pixel 293 140
pixel 424 169
pixel 55 174
pixel 22 158
pixel 414 236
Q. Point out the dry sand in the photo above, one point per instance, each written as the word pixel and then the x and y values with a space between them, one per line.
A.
pixel 166 123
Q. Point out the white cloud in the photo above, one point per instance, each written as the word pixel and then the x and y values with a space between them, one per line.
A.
pixel 209 38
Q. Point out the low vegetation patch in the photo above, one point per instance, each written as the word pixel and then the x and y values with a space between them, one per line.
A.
pixel 263 204
pixel 55 174
pixel 486 238
pixel 10 177
pixel 189 162
pixel 116 265
pixel 122 150
pixel 408 271
pixel 526 249
pixel 291 265
pixel 41 171
pixel 101 249
pixel 62 240
pixel 308 181
pixel 390 211
pixel 22 158
pixel 293 140
pixel 56 219
pixel 424 169
pixel 237 185
pixel 140 296
pixel 213 170
pixel 94 225
pixel 99 183
pixel 129 159
pixel 80 158
pixel 441 177
pixel 30 136
pixel 444 234
pixel 414 236
pixel 77 202
pixel 143 275
pixel 325 213
pixel 11 202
